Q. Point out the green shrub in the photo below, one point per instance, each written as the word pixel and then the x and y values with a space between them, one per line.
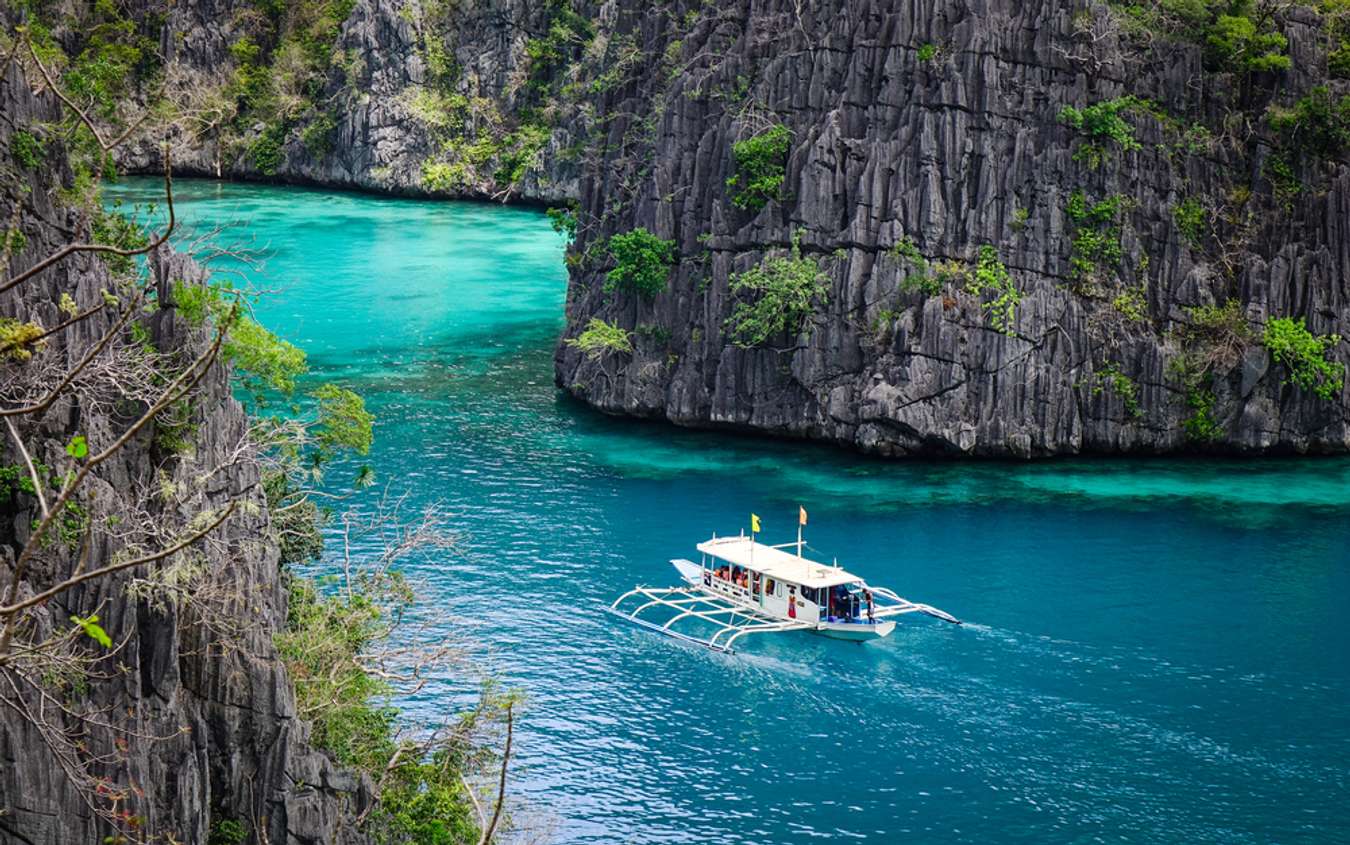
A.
pixel 1097 233
pixel 266 150
pixel 600 338
pixel 642 263
pixel 783 291
pixel 113 228
pixel 440 176
pixel 296 521
pixel 1132 304
pixel 1236 43
pixel 27 149
pixel 924 277
pixel 1304 354
pixel 1237 36
pixel 1190 217
pixel 317 136
pixel 1104 121
pixel 761 166
pixel 1110 376
pixel 227 832
pixel 262 360
pixel 19 340
pixel 927 52
pixel 655 333
pixel 344 423
pixel 1318 123
pixel 1201 426
pixel 991 276
pixel 564 220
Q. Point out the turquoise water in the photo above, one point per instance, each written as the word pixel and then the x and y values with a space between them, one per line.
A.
pixel 1154 651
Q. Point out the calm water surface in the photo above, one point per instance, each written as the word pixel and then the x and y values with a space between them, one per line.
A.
pixel 1155 651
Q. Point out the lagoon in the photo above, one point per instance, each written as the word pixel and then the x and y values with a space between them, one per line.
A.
pixel 1155 650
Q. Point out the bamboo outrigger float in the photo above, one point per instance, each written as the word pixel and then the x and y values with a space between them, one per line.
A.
pixel 741 586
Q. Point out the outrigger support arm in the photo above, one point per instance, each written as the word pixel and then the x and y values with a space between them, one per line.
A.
pixel 903 605
pixel 731 620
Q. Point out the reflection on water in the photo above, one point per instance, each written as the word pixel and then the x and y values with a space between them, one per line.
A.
pixel 1155 650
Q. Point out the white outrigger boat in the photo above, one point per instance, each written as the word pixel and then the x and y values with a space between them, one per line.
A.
pixel 742 587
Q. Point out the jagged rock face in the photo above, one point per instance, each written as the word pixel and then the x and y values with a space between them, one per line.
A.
pixel 203 728
pixel 380 142
pixel 889 143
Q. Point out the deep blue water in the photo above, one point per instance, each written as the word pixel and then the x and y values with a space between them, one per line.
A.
pixel 1155 651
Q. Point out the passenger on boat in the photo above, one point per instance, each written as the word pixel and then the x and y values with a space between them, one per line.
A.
pixel 871 606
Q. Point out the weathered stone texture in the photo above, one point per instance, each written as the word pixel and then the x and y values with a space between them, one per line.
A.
pixel 213 732
pixel 945 152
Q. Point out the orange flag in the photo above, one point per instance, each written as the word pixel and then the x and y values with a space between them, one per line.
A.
pixel 802 516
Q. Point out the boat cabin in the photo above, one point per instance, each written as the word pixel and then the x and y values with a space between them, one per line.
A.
pixel 782 583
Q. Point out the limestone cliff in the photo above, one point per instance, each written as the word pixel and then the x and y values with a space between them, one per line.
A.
pixel 921 132
pixel 1143 267
pixel 194 726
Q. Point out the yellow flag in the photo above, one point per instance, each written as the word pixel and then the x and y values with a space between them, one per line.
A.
pixel 801 518
pixel 754 524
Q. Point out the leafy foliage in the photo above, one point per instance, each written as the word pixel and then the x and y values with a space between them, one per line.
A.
pixel 1202 426
pixel 991 277
pixel 1190 217
pixel 344 422
pixel 263 360
pixel 89 625
pixel 761 166
pixel 1318 123
pixel 227 832
pixel 296 521
pixel 642 263
pixel 266 151
pixel 321 645
pixel 1236 42
pixel 114 228
pixel 19 340
pixel 27 149
pixel 1103 122
pixel 1110 376
pixel 1304 354
pixel 423 800
pixel 564 221
pixel 1237 36
pixel 1213 340
pixel 924 277
pixel 600 338
pixel 783 290
pixel 927 52
pixel 1097 233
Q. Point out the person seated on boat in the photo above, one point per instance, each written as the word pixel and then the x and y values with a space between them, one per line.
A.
pixel 722 573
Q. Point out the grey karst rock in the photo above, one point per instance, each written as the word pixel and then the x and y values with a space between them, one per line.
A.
pixel 936 124
pixel 955 151
pixel 214 731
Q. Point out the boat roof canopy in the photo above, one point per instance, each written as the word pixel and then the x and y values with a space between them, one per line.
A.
pixel 775 563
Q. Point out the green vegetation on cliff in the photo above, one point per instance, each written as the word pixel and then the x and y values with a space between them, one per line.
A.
pixel 776 297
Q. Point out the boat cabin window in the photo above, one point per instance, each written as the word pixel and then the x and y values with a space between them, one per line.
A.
pixel 770 587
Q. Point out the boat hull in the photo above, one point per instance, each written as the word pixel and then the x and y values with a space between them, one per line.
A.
pixel 857 632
